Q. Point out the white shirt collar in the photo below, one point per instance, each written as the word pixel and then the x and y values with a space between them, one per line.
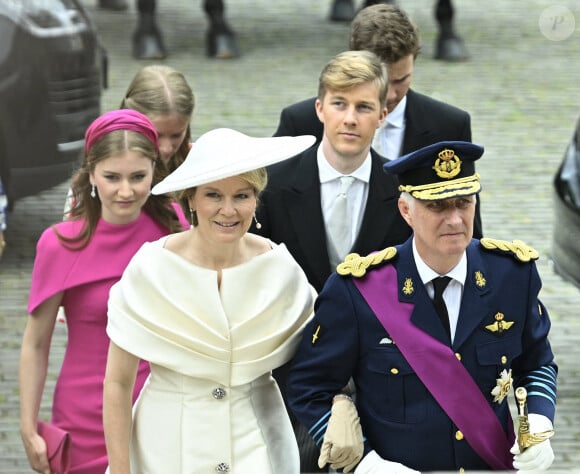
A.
pixel 457 273
pixel 396 118
pixel 327 173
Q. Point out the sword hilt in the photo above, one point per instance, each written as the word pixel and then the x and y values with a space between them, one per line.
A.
pixel 525 437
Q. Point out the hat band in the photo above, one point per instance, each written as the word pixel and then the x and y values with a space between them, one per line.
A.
pixel 444 190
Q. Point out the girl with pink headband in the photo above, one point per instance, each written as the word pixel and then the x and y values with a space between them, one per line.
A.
pixel 77 262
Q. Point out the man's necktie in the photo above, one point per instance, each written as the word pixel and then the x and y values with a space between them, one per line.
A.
pixel 340 224
pixel 439 284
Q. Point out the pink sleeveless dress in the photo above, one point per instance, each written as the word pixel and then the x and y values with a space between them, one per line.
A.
pixel 86 277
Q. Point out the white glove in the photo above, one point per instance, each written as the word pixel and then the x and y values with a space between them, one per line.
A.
pixel 538 457
pixel 343 441
pixel 372 463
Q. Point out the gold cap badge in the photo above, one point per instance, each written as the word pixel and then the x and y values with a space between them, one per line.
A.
pixel 447 165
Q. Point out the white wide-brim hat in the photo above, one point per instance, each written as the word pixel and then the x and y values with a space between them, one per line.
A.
pixel 223 152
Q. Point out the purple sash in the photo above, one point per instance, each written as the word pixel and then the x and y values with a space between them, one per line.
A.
pixel 464 403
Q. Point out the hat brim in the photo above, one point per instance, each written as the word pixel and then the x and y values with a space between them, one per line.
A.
pixel 440 191
pixel 223 153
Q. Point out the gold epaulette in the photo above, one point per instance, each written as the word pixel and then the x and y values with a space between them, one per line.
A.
pixel 519 249
pixel 357 266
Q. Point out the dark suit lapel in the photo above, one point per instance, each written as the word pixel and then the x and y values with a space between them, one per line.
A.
pixel 302 199
pixel 416 129
pixel 375 224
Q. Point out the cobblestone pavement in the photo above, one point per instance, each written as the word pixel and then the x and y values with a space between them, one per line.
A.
pixel 520 86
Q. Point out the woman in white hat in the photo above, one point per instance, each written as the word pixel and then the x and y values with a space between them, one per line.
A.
pixel 213 309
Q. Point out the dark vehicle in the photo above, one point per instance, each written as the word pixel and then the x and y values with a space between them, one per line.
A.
pixel 51 71
pixel 566 235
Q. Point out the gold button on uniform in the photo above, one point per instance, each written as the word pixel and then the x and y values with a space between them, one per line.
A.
pixel 503 359
pixel 394 371
pixel 458 435
pixel 461 469
pixel 458 355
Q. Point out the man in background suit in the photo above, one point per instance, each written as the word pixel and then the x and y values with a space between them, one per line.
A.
pixel 414 120
pixel 295 207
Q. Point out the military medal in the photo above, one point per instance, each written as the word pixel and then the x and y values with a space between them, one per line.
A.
pixel 503 387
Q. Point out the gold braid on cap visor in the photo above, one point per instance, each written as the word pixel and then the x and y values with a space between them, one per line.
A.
pixel 436 191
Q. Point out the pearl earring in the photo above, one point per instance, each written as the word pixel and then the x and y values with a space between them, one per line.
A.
pixel 93 192
pixel 258 225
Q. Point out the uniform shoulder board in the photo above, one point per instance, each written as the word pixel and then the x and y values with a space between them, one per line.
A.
pixel 357 266
pixel 517 248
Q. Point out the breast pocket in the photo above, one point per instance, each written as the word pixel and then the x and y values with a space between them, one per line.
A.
pixel 493 358
pixel 395 391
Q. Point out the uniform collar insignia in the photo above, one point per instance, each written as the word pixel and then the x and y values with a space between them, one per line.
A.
pixel 480 280
pixel 408 286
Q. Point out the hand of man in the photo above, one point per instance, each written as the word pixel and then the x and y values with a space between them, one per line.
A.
pixel 538 457
pixel 372 463
pixel 343 442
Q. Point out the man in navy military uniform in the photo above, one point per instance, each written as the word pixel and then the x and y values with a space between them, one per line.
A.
pixel 432 363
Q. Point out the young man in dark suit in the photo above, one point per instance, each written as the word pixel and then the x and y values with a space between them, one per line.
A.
pixel 414 120
pixel 298 205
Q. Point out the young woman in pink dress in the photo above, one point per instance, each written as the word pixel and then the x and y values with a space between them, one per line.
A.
pixel 77 262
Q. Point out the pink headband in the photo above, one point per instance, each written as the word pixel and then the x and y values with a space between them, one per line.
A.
pixel 121 119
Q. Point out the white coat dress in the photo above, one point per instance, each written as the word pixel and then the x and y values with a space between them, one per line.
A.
pixel 210 404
